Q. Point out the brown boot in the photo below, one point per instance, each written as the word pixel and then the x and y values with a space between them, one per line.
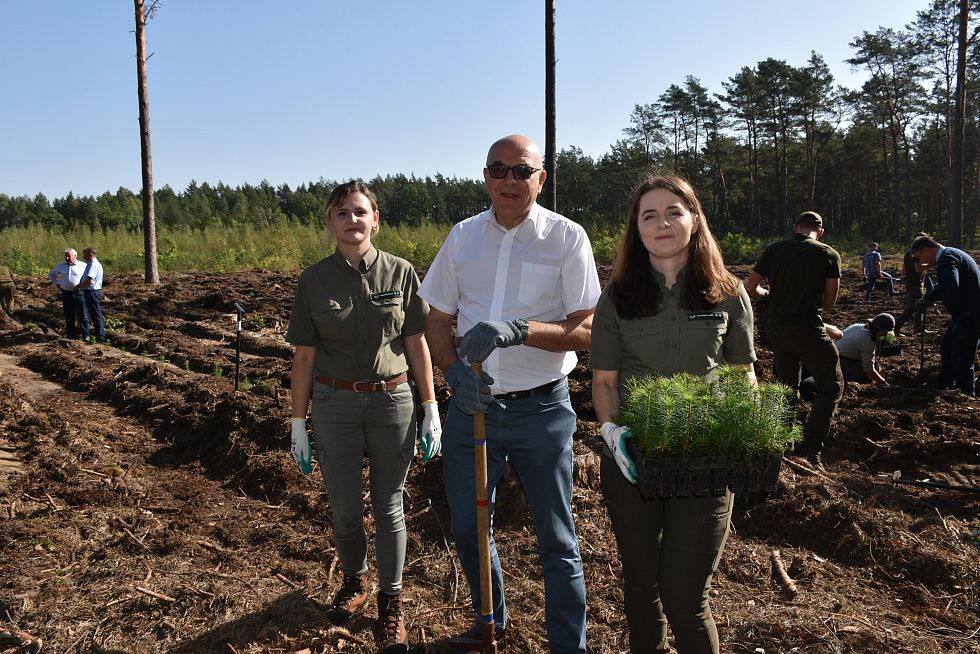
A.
pixel 394 637
pixel 350 599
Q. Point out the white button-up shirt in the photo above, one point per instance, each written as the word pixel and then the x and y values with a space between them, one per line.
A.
pixel 542 270
pixel 67 276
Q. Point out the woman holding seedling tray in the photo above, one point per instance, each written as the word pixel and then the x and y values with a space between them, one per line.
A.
pixel 670 307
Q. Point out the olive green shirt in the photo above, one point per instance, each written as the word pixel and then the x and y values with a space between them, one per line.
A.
pixel 797 269
pixel 357 318
pixel 5 275
pixel 674 339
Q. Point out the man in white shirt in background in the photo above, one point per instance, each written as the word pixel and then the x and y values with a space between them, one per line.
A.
pixel 66 276
pixel 91 288
pixel 523 278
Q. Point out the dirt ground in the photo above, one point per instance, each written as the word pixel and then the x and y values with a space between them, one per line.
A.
pixel 147 506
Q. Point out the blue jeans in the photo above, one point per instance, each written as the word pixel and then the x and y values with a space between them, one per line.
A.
pixel 958 353
pixel 535 434
pixel 871 285
pixel 76 314
pixel 93 304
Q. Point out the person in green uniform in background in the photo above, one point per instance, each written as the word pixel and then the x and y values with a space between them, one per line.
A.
pixel 804 279
pixel 670 307
pixel 7 286
pixel 358 325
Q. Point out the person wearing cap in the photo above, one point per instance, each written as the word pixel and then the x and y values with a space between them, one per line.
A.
pixel 66 276
pixel 7 286
pixel 871 268
pixel 959 291
pixel 357 325
pixel 804 280
pixel 858 347
pixel 521 283
pixel 916 279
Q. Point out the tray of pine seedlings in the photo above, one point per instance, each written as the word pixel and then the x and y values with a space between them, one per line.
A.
pixel 889 346
pixel 695 436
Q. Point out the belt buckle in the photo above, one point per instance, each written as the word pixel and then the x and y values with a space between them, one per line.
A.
pixel 366 390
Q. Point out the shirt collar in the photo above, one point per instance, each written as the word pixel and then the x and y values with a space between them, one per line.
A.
pixel 534 218
pixel 367 261
pixel 661 279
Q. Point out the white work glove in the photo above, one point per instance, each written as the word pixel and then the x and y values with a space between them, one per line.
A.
pixel 615 437
pixel 301 446
pixel 430 431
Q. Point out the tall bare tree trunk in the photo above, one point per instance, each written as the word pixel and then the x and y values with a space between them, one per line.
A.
pixel 954 228
pixel 149 215
pixel 549 198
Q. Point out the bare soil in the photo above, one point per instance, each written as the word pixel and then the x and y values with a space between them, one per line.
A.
pixel 147 506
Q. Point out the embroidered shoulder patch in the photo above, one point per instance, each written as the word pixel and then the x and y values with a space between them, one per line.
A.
pixel 706 315
pixel 386 295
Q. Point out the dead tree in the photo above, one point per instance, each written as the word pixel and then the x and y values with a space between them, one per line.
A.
pixel 549 199
pixel 954 228
pixel 149 215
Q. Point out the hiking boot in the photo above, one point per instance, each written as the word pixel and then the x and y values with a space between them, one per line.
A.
pixel 349 601
pixel 394 636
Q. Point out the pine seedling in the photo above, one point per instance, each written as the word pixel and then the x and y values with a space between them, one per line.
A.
pixel 685 414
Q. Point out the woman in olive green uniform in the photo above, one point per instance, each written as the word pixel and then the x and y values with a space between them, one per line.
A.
pixel 670 307
pixel 357 324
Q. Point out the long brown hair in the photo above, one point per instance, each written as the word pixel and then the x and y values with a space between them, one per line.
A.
pixel 632 287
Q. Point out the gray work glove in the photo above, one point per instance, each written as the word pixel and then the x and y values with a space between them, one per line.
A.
pixel 488 335
pixel 469 394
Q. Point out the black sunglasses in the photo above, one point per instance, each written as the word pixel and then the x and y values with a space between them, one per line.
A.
pixel 521 171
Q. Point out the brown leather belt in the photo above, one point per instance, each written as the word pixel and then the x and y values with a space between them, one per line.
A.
pixel 364 386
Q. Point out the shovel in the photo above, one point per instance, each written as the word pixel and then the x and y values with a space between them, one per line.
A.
pixel 487 644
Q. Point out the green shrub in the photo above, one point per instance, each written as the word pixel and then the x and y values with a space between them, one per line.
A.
pixel 686 414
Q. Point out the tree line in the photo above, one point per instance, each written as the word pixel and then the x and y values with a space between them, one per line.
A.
pixel 775 140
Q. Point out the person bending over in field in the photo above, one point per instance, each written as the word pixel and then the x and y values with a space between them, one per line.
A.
pixel 358 325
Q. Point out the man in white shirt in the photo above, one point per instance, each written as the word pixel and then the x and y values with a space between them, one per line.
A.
pixel 91 288
pixel 66 276
pixel 523 278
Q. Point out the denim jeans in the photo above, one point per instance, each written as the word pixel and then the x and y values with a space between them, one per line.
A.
pixel 872 280
pixel 535 434
pixel 93 304
pixel 958 353
pixel 347 426
pixel 76 314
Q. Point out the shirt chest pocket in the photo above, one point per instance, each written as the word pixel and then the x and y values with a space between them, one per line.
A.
pixel 706 332
pixel 387 313
pixel 330 319
pixel 644 339
pixel 539 286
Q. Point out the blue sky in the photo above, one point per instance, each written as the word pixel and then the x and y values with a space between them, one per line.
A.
pixel 293 90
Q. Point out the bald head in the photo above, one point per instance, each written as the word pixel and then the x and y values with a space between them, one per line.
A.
pixel 518 143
